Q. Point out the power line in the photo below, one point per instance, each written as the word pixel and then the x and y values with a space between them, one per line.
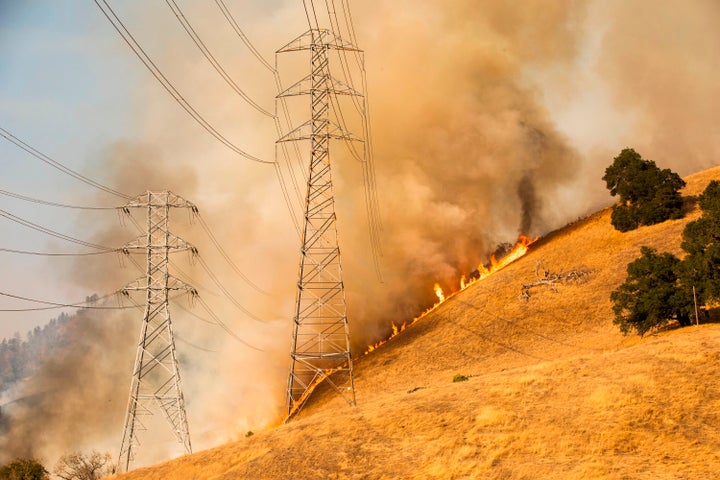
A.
pixel 227 258
pixel 193 314
pixel 55 164
pixel 54 254
pixel 216 322
pixel 222 325
pixel 225 291
pixel 155 71
pixel 226 12
pixel 175 335
pixel 52 204
pixel 286 115
pixel 54 305
pixel 53 233
pixel 307 14
pixel 209 56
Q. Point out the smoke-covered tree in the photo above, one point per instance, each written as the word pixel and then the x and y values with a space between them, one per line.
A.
pixel 20 358
pixel 648 194
pixel 79 466
pixel 650 296
pixel 24 469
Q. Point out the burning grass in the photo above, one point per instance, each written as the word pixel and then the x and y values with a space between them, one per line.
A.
pixel 483 271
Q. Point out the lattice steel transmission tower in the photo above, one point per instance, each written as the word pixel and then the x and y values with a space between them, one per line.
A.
pixel 156 378
pixel 321 337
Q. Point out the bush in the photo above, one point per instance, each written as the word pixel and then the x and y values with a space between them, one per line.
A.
pixel 460 378
pixel 648 195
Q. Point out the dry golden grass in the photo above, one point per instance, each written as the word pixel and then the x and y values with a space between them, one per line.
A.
pixel 555 391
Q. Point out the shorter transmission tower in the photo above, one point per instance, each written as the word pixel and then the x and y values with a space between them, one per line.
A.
pixel 155 380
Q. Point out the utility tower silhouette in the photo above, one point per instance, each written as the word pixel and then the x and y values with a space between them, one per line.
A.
pixel 321 337
pixel 156 378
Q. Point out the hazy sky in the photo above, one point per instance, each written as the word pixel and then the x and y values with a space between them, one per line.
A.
pixel 64 93
pixel 71 88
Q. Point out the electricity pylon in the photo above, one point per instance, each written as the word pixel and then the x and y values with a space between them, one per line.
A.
pixel 321 337
pixel 156 377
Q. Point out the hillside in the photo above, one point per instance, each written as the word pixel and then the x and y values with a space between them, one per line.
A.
pixel 555 391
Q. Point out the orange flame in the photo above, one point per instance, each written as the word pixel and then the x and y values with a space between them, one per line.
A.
pixel 439 292
pixel 519 249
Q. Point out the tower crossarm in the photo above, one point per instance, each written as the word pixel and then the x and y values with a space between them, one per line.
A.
pixel 160 199
pixel 305 87
pixel 173 284
pixel 174 244
pixel 318 36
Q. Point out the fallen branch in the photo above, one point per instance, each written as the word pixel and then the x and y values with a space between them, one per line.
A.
pixel 551 280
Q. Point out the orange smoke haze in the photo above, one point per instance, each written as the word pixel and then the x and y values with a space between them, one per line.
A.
pixel 477 140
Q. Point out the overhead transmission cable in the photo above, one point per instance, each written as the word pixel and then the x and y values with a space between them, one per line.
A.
pixel 227 258
pixel 52 204
pixel 209 56
pixel 87 304
pixel 222 325
pixel 207 269
pixel 243 37
pixel 169 87
pixel 226 292
pixel 367 125
pixel 53 233
pixel 279 130
pixel 57 254
pixel 216 320
pixel 175 335
pixel 367 159
pixel 55 164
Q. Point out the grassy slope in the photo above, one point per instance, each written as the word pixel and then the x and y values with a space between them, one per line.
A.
pixel 554 391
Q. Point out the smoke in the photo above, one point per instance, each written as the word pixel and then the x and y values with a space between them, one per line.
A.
pixel 468 157
pixel 477 138
pixel 666 73
pixel 75 394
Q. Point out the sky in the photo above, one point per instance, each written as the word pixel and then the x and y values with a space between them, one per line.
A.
pixel 489 119
pixel 55 88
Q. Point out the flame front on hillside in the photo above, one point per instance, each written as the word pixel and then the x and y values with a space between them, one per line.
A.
pixel 518 250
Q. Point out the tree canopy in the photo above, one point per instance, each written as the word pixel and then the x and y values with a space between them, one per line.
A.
pixel 648 194
pixel 659 287
pixel 701 240
pixel 24 469
pixel 80 466
pixel 650 296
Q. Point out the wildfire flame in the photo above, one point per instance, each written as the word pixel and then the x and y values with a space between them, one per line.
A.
pixel 518 250
pixel 439 292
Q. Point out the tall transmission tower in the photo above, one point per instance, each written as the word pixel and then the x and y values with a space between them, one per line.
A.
pixel 156 378
pixel 321 337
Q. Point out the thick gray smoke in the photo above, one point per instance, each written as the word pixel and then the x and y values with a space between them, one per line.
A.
pixel 476 140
